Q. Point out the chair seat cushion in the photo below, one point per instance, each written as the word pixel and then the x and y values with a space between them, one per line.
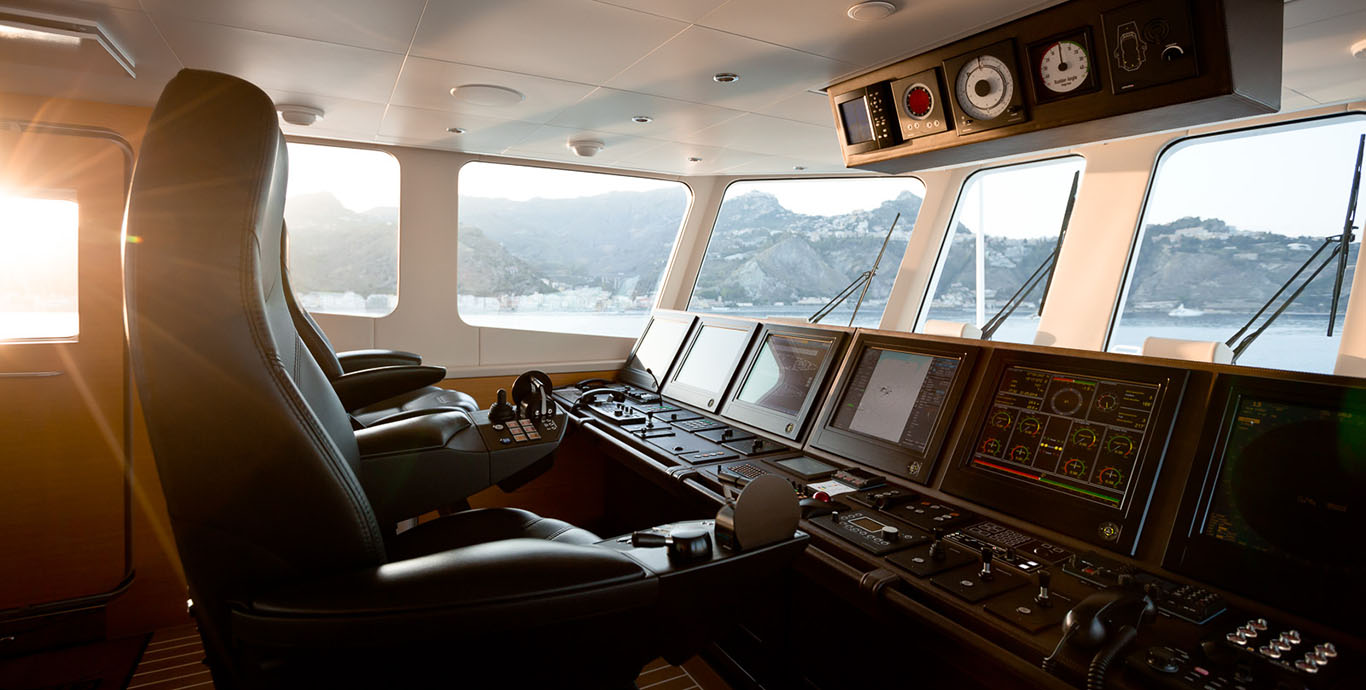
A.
pixel 430 397
pixel 471 527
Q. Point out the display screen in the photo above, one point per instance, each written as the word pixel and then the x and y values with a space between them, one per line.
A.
pixel 867 524
pixel 784 372
pixel 896 396
pixel 707 365
pixel 1292 481
pixel 1077 435
pixel 858 127
pixel 658 346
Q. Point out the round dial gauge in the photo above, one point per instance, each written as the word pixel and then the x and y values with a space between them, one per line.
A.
pixel 919 101
pixel 1064 66
pixel 984 87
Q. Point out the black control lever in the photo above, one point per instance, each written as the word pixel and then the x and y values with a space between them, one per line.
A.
pixel 1044 598
pixel 938 552
pixel 684 544
pixel 985 573
pixel 502 411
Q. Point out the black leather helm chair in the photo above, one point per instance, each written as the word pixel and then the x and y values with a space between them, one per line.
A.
pixel 375 386
pixel 294 582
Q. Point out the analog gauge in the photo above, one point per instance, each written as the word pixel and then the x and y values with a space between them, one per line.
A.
pixel 984 87
pixel 1020 454
pixel 1120 445
pixel 919 100
pixel 1075 468
pixel 1086 438
pixel 1107 402
pixel 1112 476
pixel 992 447
pixel 1001 420
pixel 1030 426
pixel 1067 402
pixel 1064 67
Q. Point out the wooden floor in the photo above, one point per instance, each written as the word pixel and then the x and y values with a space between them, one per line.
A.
pixel 174 660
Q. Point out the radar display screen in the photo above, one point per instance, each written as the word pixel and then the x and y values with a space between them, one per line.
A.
pixel 1292 481
pixel 784 371
pixel 658 346
pixel 1076 435
pixel 708 363
pixel 896 396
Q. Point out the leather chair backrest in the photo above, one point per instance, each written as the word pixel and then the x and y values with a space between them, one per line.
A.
pixel 256 455
pixel 314 339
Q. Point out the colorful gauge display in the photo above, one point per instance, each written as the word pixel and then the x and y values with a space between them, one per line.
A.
pixel 984 88
pixel 1063 67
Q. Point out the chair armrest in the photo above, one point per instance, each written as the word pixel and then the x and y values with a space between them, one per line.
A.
pixel 470 591
pixel 355 360
pixel 366 387
pixel 421 431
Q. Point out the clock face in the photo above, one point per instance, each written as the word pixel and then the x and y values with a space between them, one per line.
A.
pixel 984 87
pixel 1064 67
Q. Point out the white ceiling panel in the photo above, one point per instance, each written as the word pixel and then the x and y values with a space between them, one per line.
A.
pixel 1318 59
pixel 282 62
pixel 577 40
pixel 1301 12
pixel 811 108
pixel 684 10
pixel 610 110
pixel 673 158
pixel 772 136
pixel 422 127
pixel 823 27
pixel 357 120
pixel 1292 100
pixel 683 67
pixel 550 142
pixel 387 25
pixel 780 165
pixel 427 84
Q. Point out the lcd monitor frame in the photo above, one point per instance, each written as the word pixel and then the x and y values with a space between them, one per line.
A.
pixel 880 453
pixel 701 398
pixel 1028 497
pixel 786 424
pixel 638 376
pixel 1272 576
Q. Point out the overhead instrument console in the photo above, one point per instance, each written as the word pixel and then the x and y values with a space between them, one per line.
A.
pixel 1070 444
pixel 1082 71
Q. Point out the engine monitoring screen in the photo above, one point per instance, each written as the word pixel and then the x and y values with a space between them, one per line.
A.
pixel 706 366
pixel 658 346
pixel 1292 482
pixel 783 372
pixel 1077 435
pixel 896 396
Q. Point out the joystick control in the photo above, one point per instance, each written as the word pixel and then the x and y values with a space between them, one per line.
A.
pixel 502 411
pixel 1044 599
pixel 938 552
pixel 985 573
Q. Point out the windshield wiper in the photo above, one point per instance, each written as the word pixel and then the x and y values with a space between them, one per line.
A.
pixel 1045 270
pixel 1341 247
pixel 865 279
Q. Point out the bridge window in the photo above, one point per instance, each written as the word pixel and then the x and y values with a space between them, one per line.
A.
pixel 786 248
pixel 38 278
pixel 341 208
pixel 1229 219
pixel 561 250
pixel 1000 246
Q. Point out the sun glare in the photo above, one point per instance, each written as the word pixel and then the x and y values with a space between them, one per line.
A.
pixel 38 284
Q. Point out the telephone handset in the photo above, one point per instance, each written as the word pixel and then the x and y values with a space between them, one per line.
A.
pixel 1108 620
pixel 592 383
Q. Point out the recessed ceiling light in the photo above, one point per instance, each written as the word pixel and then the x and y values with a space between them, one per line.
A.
pixel 725 77
pixel 694 159
pixel 871 11
pixel 300 115
pixel 490 95
pixel 642 119
pixel 585 148
pixel 799 168
pixel 456 130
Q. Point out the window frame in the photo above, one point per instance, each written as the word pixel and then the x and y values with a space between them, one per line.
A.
pixel 398 227
pixel 1136 237
pixel 701 254
pixel 946 242
pixel 545 165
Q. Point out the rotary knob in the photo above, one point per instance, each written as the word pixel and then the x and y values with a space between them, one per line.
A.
pixel 889 533
pixel 1326 649
pixel 1258 624
pixel 1291 636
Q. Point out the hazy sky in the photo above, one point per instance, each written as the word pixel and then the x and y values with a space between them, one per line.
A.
pixel 361 179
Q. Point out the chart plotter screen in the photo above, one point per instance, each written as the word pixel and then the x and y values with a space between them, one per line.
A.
pixel 1292 481
pixel 705 365
pixel 1076 435
pixel 896 396
pixel 658 346
pixel 784 371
